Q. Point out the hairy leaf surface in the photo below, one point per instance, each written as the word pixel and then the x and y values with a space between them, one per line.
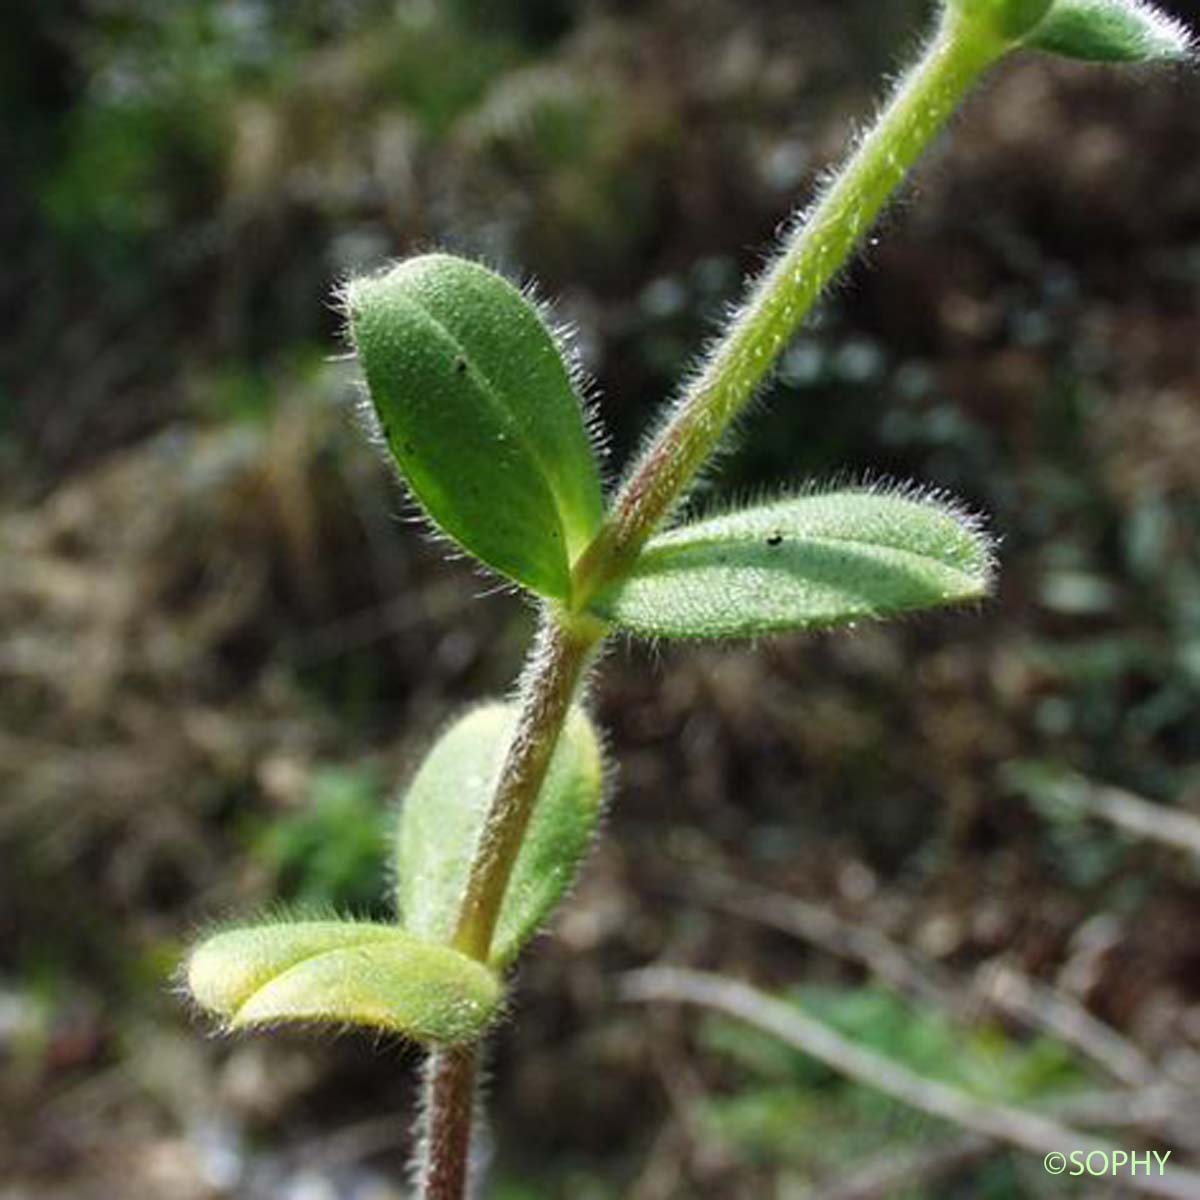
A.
pixel 342 972
pixel 798 563
pixel 443 815
pixel 1111 31
pixel 479 412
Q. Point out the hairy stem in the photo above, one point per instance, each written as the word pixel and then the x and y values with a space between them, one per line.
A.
pixel 554 670
pixel 953 60
pixel 552 675
pixel 447 1118
pixel 958 53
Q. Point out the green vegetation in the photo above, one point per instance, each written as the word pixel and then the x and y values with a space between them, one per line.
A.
pixel 784 1107
pixel 475 404
pixel 214 598
pixel 331 854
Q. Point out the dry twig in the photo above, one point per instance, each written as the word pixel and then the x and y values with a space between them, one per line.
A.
pixel 1013 993
pixel 999 1122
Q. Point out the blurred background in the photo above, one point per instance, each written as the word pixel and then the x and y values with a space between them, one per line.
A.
pixel 222 646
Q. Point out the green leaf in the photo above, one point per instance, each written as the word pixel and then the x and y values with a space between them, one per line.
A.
pixel 443 815
pixel 1111 31
pixel 478 410
pixel 345 973
pixel 799 563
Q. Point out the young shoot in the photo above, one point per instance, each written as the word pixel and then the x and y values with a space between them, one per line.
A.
pixel 481 416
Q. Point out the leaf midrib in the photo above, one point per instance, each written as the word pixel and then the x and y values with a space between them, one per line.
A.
pixel 498 407
pixel 663 549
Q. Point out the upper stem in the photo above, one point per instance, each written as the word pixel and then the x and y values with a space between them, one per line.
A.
pixel 958 53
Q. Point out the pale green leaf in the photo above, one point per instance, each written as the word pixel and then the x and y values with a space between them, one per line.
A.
pixel 1111 31
pixel 343 973
pixel 443 814
pixel 479 412
pixel 799 563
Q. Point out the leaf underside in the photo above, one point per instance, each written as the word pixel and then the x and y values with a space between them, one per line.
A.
pixel 443 815
pixel 1111 31
pixel 799 563
pixel 342 973
pixel 479 413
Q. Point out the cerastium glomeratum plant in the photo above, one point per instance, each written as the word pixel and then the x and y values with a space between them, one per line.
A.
pixel 478 407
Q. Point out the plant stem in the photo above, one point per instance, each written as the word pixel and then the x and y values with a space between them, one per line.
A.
pixel 555 668
pixel 556 665
pixel 958 53
pixel 955 57
pixel 447 1115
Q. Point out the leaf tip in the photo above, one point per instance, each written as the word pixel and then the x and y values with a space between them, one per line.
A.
pixel 1113 31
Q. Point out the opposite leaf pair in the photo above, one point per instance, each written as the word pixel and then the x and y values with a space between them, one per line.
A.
pixel 407 978
pixel 478 411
